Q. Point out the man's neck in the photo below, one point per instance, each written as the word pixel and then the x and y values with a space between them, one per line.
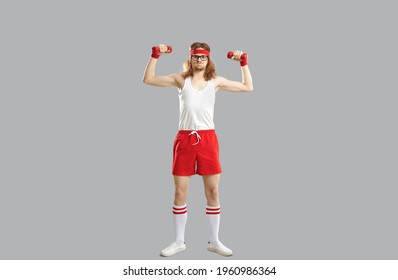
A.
pixel 198 74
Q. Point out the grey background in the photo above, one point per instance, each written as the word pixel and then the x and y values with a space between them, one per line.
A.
pixel 309 158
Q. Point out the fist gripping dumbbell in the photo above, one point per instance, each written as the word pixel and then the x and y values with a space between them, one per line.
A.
pixel 243 58
pixel 156 51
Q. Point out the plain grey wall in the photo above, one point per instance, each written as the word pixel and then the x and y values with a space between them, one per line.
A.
pixel 309 158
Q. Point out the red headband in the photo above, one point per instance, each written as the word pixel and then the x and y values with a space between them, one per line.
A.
pixel 196 51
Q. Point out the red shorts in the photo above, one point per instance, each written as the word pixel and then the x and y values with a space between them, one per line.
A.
pixel 196 152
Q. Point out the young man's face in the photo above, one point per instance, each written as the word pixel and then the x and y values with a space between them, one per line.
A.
pixel 199 61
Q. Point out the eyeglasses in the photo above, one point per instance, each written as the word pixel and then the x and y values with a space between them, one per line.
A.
pixel 199 57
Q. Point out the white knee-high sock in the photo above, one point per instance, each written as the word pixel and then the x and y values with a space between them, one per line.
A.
pixel 180 220
pixel 213 219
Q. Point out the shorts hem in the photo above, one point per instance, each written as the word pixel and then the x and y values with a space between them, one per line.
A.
pixel 209 173
pixel 182 174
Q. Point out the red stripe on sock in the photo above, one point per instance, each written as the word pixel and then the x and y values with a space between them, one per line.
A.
pixel 178 213
pixel 213 213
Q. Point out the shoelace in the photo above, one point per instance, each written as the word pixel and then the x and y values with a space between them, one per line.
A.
pixel 197 136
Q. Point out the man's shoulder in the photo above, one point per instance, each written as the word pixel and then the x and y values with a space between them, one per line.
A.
pixel 179 78
pixel 218 79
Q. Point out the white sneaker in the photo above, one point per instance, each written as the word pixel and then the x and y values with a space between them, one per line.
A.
pixel 219 248
pixel 173 249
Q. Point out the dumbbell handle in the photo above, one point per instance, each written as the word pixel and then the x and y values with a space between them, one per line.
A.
pixel 156 49
pixel 242 57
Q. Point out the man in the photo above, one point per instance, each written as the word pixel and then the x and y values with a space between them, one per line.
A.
pixel 195 148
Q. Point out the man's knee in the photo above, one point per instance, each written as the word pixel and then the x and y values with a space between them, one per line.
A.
pixel 212 193
pixel 179 192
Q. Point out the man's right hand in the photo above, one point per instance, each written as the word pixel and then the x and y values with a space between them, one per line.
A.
pixel 160 50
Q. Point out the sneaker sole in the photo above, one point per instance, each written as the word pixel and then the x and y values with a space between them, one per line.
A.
pixel 172 254
pixel 219 252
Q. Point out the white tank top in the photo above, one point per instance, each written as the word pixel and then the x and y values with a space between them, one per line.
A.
pixel 196 106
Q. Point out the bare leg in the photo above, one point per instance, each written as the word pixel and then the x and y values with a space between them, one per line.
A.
pixel 211 189
pixel 181 184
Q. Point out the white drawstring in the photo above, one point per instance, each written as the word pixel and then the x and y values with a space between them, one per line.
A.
pixel 197 136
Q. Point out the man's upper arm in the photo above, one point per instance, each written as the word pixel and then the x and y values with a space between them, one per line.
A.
pixel 228 85
pixel 164 81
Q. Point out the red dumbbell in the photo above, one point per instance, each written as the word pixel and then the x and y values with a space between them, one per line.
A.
pixel 243 58
pixel 156 49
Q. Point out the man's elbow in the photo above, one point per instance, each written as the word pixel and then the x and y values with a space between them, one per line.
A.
pixel 147 80
pixel 250 88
